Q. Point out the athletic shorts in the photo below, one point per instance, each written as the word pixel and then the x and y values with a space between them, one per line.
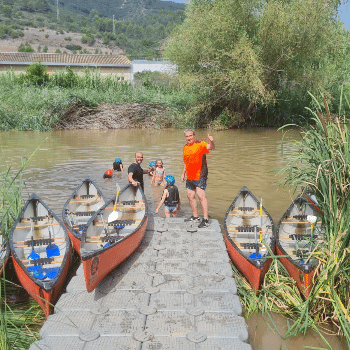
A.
pixel 201 183
pixel 170 208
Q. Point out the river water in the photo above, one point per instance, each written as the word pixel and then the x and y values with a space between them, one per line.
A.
pixel 242 157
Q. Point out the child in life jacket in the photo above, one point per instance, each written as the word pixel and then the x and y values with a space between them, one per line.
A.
pixel 171 198
pixel 158 174
pixel 108 174
pixel 118 165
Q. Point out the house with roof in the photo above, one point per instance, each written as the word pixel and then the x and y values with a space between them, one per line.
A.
pixel 107 64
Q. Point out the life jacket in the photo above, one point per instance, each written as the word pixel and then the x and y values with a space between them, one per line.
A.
pixel 173 198
pixel 116 166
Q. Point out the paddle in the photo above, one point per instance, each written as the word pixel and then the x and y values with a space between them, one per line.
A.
pixel 255 255
pixel 52 249
pixel 261 219
pixel 114 215
pixel 32 255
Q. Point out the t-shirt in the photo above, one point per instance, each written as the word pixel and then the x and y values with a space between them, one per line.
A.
pixel 116 166
pixel 137 173
pixel 195 160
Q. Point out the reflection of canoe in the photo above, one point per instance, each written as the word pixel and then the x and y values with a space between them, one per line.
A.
pixel 79 208
pixel 297 237
pixel 4 251
pixel 105 245
pixel 246 227
pixel 41 251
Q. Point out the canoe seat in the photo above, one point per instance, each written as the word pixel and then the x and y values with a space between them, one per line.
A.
pixel 36 218
pixel 121 222
pixel 37 242
pixel 130 202
pixel 41 261
pixel 247 229
pixel 302 237
pixel 245 208
pixel 298 217
pixel 251 245
pixel 85 196
pixel 83 213
pixel 111 239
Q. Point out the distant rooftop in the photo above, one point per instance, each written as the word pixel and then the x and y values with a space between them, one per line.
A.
pixel 64 59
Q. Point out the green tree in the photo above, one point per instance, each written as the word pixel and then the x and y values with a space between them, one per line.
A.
pixel 37 73
pixel 244 53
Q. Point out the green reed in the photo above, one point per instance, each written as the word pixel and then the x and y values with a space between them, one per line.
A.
pixel 321 163
pixel 19 324
pixel 32 107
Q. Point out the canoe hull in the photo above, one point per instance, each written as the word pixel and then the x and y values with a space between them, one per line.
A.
pixel 97 267
pixel 252 273
pixel 41 252
pixel 87 197
pixel 304 280
pixel 240 220
pixel 44 298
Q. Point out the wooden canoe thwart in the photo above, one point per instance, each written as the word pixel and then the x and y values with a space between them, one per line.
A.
pixel 106 244
pixel 296 241
pixel 79 208
pixel 248 227
pixel 35 252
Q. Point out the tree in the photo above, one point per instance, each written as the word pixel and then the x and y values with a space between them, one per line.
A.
pixel 243 53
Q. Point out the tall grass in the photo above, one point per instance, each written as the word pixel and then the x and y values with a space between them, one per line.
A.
pixel 322 164
pixel 18 324
pixel 24 106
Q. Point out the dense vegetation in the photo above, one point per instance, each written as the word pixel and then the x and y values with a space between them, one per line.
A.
pixel 255 60
pixel 139 36
pixel 36 101
pixel 322 163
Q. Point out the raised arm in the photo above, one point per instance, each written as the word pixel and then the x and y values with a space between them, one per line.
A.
pixel 211 144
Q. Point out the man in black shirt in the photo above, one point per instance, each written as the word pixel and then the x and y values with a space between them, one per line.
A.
pixel 135 172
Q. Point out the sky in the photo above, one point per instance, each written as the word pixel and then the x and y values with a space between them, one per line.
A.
pixel 344 12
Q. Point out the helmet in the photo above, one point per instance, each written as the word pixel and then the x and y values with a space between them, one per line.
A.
pixel 152 164
pixel 109 172
pixel 118 160
pixel 170 180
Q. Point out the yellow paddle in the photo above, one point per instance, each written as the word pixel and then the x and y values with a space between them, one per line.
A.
pixel 114 215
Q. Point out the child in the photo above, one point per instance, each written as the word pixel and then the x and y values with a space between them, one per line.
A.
pixel 108 174
pixel 118 165
pixel 158 174
pixel 171 198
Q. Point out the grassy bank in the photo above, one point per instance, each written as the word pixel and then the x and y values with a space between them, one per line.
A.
pixel 20 320
pixel 322 163
pixel 27 103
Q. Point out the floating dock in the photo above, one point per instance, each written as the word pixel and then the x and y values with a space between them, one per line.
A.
pixel 176 292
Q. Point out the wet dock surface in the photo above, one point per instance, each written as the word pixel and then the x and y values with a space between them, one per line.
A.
pixel 176 292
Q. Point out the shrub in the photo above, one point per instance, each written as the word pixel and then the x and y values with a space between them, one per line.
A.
pixel 68 38
pixel 88 39
pixel 36 74
pixel 58 51
pixel 25 47
pixel 39 48
pixel 45 49
pixel 46 36
pixel 73 47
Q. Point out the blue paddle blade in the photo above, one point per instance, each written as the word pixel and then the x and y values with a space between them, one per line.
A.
pixel 302 262
pixel 107 245
pixel 255 256
pixel 37 271
pixel 52 250
pixel 52 272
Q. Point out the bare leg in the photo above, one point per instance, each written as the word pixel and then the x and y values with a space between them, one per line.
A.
pixel 191 195
pixel 203 200
pixel 174 213
pixel 167 212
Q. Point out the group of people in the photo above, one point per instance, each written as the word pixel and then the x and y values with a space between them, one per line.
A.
pixel 195 171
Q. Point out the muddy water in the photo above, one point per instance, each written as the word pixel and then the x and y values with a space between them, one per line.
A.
pixel 242 157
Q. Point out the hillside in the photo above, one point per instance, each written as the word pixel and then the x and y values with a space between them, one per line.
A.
pixel 121 9
pixel 139 31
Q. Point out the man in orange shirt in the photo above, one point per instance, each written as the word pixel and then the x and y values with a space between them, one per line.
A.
pixel 195 167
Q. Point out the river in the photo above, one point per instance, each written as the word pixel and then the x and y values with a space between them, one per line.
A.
pixel 249 157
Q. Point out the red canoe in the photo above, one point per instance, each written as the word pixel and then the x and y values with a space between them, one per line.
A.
pixel 79 208
pixel 298 233
pixel 41 250
pixel 247 227
pixel 105 245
